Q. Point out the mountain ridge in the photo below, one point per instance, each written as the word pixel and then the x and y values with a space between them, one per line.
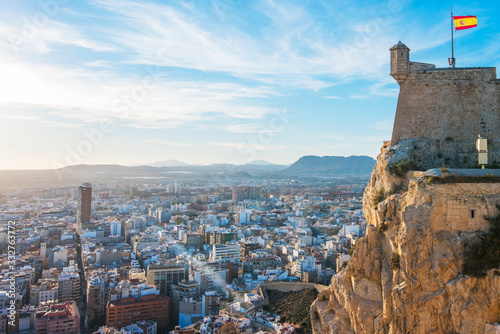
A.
pixel 332 165
pixel 76 174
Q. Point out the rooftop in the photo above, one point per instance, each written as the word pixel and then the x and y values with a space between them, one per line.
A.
pixel 399 45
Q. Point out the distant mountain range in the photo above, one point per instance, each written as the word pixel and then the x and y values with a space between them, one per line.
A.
pixel 261 163
pixel 331 165
pixel 174 169
pixel 177 163
pixel 167 163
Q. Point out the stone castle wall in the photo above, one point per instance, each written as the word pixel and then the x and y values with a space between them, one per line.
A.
pixel 455 105
pixel 485 74
pixel 416 66
pixel 463 206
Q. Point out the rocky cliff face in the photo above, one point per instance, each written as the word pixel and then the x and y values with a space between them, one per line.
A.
pixel 405 275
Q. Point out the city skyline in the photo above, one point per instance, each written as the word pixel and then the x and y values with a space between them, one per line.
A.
pixel 222 81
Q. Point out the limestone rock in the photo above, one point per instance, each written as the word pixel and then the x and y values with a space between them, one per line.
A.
pixel 428 225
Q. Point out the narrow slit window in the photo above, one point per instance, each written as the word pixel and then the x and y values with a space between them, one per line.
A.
pixel 472 213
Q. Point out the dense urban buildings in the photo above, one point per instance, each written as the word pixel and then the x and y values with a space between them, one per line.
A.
pixel 154 258
pixel 58 318
pixel 128 310
pixel 241 193
pixel 163 276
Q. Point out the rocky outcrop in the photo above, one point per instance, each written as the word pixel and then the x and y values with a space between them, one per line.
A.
pixel 405 275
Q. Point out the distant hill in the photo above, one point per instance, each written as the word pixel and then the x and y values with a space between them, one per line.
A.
pixel 163 163
pixel 331 165
pixel 241 175
pixel 261 163
pixel 177 163
pixel 169 163
pixel 74 175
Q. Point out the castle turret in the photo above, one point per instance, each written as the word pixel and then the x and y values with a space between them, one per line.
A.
pixel 400 62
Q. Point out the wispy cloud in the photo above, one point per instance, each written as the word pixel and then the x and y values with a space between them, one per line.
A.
pixel 244 145
pixel 227 145
pixel 81 95
pixel 336 137
pixel 242 128
pixel 295 50
pixel 45 37
pixel 203 71
pixel 99 63
pixel 359 97
pixel 166 142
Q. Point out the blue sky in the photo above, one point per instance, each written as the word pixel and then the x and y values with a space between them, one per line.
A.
pixel 126 82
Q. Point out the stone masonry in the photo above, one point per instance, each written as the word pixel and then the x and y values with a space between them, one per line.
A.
pixel 441 111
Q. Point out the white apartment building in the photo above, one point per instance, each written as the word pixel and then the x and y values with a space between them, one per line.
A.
pixel 221 252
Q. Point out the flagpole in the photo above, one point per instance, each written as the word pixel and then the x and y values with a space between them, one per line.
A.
pixel 452 53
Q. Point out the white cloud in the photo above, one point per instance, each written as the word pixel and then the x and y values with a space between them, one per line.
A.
pixel 296 50
pixel 240 127
pixel 43 38
pixel 81 95
pixel 359 97
pixel 166 142
pixel 293 51
pixel 248 146
pixel 98 63
pixel 337 137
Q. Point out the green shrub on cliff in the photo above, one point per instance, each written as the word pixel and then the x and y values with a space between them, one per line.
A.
pixel 352 249
pixel 378 196
pixel 432 179
pixel 293 306
pixel 400 167
pixel 444 169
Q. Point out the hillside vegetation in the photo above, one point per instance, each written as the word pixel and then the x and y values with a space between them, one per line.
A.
pixel 293 307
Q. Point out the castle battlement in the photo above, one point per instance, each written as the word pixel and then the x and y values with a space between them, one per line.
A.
pixel 441 111
pixel 463 73
pixel 402 69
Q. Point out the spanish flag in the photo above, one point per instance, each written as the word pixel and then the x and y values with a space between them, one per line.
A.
pixel 465 22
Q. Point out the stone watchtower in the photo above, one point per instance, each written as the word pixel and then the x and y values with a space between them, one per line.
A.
pixel 400 62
